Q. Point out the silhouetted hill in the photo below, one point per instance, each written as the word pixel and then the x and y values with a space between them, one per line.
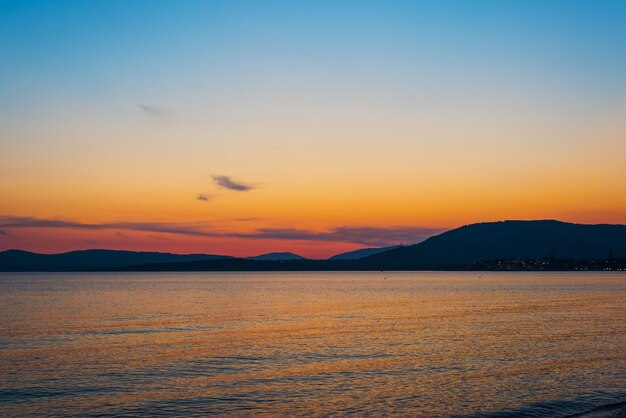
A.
pixel 17 260
pixel 507 240
pixel 277 257
pixel 361 253
pixel 469 247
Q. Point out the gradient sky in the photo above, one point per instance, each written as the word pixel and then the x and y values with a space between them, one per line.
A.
pixel 239 127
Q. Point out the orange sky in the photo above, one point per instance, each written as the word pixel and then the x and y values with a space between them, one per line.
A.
pixel 430 185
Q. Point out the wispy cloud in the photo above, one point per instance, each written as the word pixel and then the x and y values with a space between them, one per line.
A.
pixel 375 236
pixel 4 233
pixel 365 235
pixel 156 111
pixel 161 227
pixel 228 183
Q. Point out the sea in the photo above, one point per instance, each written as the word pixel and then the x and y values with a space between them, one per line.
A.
pixel 431 344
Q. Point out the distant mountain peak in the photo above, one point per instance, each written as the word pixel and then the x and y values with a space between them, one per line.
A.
pixel 361 253
pixel 278 256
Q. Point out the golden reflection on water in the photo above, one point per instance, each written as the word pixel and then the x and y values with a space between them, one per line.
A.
pixel 430 344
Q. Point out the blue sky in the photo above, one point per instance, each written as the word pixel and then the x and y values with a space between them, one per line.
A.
pixel 106 48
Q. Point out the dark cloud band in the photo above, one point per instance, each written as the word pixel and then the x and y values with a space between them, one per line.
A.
pixel 161 227
pixel 358 235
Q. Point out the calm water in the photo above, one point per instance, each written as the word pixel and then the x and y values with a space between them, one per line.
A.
pixel 413 344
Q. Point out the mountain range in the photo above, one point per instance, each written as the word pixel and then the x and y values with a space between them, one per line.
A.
pixel 459 248
pixel 17 260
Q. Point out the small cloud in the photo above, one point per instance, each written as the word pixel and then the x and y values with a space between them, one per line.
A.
pixel 227 183
pixel 203 197
pixel 4 233
pixel 155 111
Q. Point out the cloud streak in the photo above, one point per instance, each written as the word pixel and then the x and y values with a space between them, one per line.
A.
pixel 375 236
pixel 365 235
pixel 228 183
pixel 155 111
pixel 160 227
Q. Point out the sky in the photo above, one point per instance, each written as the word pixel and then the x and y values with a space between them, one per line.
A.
pixel 244 127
